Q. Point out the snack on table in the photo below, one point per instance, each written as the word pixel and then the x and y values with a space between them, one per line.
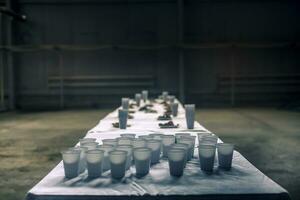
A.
pixel 169 124
pixel 164 117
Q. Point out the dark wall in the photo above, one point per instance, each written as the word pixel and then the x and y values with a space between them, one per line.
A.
pixel 214 75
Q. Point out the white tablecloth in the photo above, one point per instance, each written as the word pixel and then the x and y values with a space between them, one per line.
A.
pixel 243 181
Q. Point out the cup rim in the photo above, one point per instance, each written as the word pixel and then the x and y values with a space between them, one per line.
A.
pixel 168 136
pixel 124 145
pixel 206 146
pixel 153 141
pixel 118 152
pixel 71 151
pixel 225 144
pixel 94 151
pixel 142 149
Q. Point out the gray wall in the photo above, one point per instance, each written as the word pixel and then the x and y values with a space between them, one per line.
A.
pixel 97 78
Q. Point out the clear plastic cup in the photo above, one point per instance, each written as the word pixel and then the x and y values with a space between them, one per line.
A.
pixel 190 115
pixel 90 145
pixel 82 162
pixel 117 163
pixel 174 109
pixel 138 98
pixel 155 146
pixel 142 160
pixel 207 156
pixel 165 95
pixel 167 142
pixel 171 99
pixel 123 114
pixel 193 138
pixel 94 160
pixel 185 147
pixel 201 135
pixel 113 142
pixel 190 144
pixel 176 160
pixel 138 142
pixel 129 135
pixel 125 141
pixel 71 160
pixel 125 103
pixel 127 148
pixel 105 162
pixel 145 95
pixel 86 140
pixel 225 154
pixel 212 138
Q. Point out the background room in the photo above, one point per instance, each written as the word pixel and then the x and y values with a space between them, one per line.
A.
pixel 66 64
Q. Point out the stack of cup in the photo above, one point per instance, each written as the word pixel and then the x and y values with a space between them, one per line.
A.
pixel 117 163
pixel 105 162
pixel 94 160
pixel 155 146
pixel 128 149
pixel 176 158
pixel 125 103
pixel 142 160
pixel 123 115
pixel 171 99
pixel 174 109
pixel 190 115
pixel 167 142
pixel 145 95
pixel 225 153
pixel 138 99
pixel 193 139
pixel 206 156
pixel 71 160
pixel 165 95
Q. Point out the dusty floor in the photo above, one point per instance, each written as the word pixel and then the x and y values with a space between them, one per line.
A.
pixel 30 143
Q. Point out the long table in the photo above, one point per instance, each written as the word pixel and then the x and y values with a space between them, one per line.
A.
pixel 243 181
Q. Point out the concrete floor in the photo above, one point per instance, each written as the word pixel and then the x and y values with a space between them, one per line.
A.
pixel 30 143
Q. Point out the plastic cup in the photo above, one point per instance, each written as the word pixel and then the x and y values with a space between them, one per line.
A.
pixel 94 160
pixel 225 153
pixel 167 142
pixel 90 145
pixel 145 95
pixel 129 135
pixel 190 144
pixel 171 99
pixel 142 160
pixel 155 146
pixel 185 147
pixel 71 159
pixel 213 139
pixel 138 99
pixel 117 163
pixel 123 114
pixel 190 115
pixel 165 95
pixel 86 140
pixel 176 161
pixel 174 109
pixel 201 135
pixel 138 143
pixel 207 156
pixel 125 103
pixel 193 138
pixel 128 149
pixel 125 141
pixel 105 162
pixel 112 142
pixel 82 161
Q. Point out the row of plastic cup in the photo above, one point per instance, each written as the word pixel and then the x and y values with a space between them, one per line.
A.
pixel 114 154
